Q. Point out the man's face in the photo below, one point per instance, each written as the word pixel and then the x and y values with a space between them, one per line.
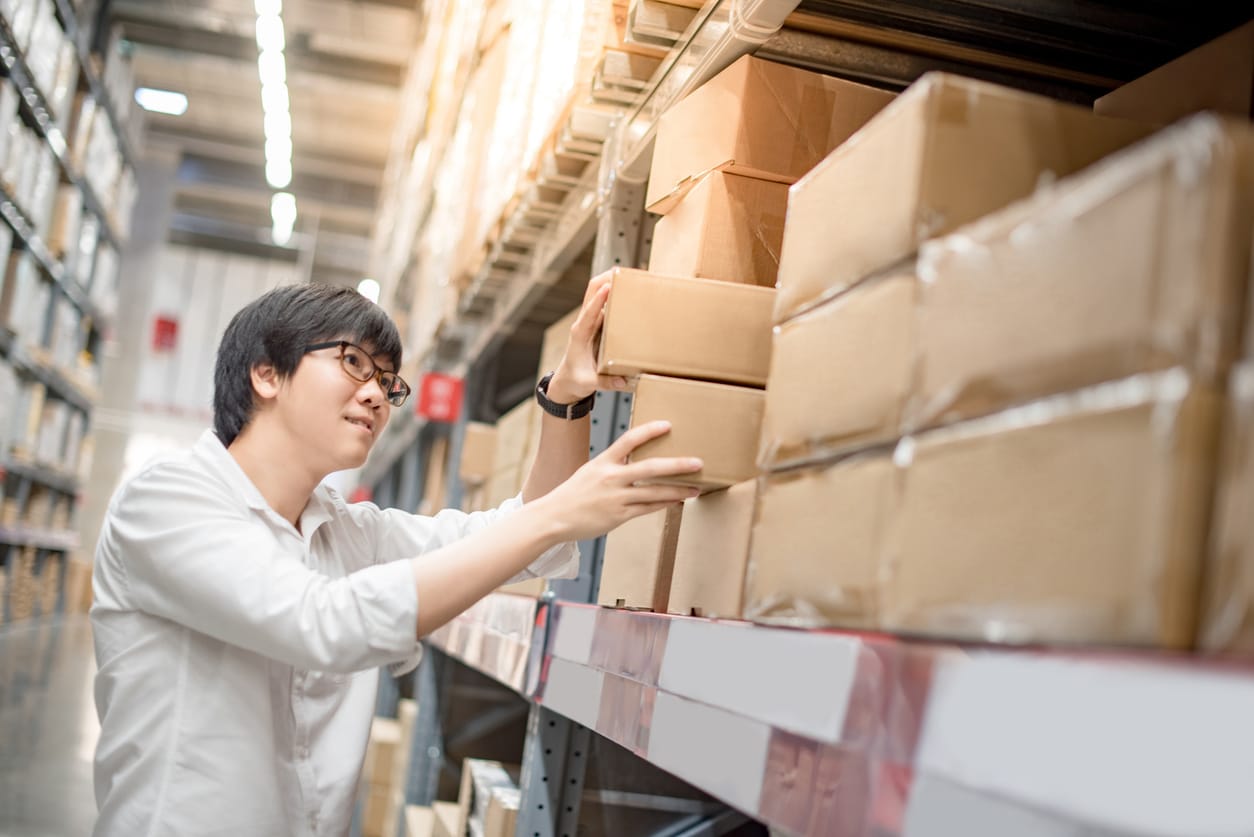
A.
pixel 334 416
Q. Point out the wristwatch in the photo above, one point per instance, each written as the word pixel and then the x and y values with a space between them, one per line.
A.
pixel 570 412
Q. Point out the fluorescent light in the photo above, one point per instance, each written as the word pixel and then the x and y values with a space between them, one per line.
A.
pixel 283 209
pixel 369 288
pixel 161 101
pixel 281 235
pixel 278 123
pixel 271 67
pixel 268 7
pixel 279 173
pixel 270 33
pixel 274 98
pixel 279 148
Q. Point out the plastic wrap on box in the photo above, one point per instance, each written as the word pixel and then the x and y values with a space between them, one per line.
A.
pixel 1135 264
pixel 840 373
pixel 1076 519
pixel 816 541
pixel 1227 621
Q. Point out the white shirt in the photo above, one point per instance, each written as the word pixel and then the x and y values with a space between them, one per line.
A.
pixel 238 657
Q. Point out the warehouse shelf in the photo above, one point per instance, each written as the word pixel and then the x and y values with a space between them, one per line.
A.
pixel 56 540
pixel 37 106
pixel 24 230
pixel 30 363
pixel 841 733
pixel 50 477
pixel 69 22
pixel 500 636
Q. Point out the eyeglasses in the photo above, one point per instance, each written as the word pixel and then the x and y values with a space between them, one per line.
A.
pixel 361 367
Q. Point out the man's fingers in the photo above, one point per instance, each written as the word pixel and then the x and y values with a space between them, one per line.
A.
pixel 656 467
pixel 590 315
pixel 615 383
pixel 635 437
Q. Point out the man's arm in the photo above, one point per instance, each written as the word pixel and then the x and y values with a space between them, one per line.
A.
pixel 564 443
pixel 598 497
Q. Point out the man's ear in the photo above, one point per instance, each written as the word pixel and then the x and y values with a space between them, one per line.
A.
pixel 265 380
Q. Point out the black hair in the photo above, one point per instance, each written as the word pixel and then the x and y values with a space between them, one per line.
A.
pixel 276 327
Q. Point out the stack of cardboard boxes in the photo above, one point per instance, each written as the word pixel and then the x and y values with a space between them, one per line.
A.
pixel 694 330
pixel 487 805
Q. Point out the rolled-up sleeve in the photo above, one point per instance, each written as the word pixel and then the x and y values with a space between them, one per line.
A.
pixel 185 552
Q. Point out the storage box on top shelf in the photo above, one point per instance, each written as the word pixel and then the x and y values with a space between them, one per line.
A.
pixel 814 555
pixel 639 559
pixel 948 151
pixel 1226 625
pixel 1076 519
pixel 9 121
pixel 712 551
pixel 1216 76
pixel 727 227
pixel 1138 263
pixel 553 346
pixel 64 85
pixel 478 453
pixel 21 20
pixel 716 423
pixel 46 38
pixel 841 373
pixel 10 391
pixel 758 119
pixel 618 35
pixel 25 298
pixel 85 112
pixel 692 328
pixel 67 216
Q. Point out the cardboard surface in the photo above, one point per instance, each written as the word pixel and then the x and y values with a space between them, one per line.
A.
pixel 840 374
pixel 729 228
pixel 688 328
pixel 553 348
pixel 445 815
pixel 813 556
pixel 478 453
pixel 1217 76
pixel 755 118
pixel 716 423
pixel 1138 263
pixel 1227 619
pixel 1081 519
pixel 639 558
pixel 948 151
pixel 710 555
pixel 419 821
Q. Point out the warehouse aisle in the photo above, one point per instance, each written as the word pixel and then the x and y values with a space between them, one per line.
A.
pixel 48 728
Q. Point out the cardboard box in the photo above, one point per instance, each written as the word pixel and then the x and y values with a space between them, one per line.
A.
pixel 758 119
pixel 816 541
pixel 478 453
pixel 501 817
pixel 1217 76
pixel 728 227
pixel 531 587
pixel 716 423
pixel 517 437
pixel 446 824
pixel 553 347
pixel 711 552
pixel 841 373
pixel 385 738
pixel 419 821
pixel 1227 618
pixel 948 151
pixel 1138 263
pixel 479 778
pixel 1078 519
pixel 406 717
pixel 688 328
pixel 639 559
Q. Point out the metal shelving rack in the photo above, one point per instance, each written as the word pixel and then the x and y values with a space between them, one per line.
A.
pixel 822 732
pixel 24 477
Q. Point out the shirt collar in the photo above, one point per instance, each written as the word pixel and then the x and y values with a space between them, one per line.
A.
pixel 320 509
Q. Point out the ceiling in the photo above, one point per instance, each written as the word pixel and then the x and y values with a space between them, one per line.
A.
pixel 346 62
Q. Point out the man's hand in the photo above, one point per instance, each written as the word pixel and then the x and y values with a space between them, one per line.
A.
pixel 576 375
pixel 608 491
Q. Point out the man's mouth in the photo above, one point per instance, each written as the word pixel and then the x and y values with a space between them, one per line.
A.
pixel 361 423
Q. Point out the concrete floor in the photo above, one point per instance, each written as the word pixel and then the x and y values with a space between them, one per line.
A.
pixel 48 728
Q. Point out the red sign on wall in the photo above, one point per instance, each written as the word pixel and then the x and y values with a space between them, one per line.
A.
pixel 165 334
pixel 440 397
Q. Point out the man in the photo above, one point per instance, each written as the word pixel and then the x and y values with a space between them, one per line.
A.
pixel 242 608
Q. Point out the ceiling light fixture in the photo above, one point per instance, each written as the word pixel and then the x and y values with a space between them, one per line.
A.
pixel 161 101
pixel 369 288
pixel 276 105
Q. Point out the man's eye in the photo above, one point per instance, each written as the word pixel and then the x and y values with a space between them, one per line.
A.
pixel 352 358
